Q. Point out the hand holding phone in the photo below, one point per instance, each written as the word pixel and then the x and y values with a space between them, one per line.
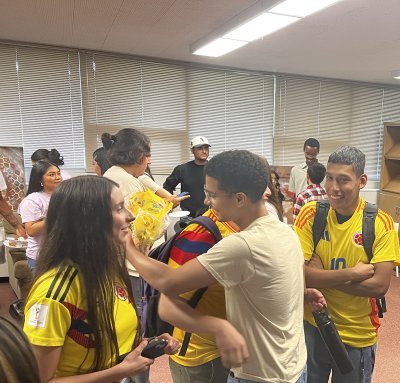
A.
pixel 182 194
pixel 154 348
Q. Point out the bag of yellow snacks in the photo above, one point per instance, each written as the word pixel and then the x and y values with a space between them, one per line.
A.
pixel 151 216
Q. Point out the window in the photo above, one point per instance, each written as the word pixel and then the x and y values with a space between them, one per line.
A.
pixel 40 102
pixel 172 103
pixel 336 113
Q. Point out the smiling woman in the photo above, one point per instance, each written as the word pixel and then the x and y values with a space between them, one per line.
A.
pixel 80 313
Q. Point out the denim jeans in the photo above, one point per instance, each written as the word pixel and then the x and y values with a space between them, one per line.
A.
pixel 320 363
pixel 232 379
pixel 32 264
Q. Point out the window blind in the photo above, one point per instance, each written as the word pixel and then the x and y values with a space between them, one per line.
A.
pixel 40 102
pixel 336 113
pixel 172 103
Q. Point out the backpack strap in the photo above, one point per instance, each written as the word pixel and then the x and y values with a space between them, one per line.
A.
pixel 321 215
pixel 368 237
pixel 368 227
pixel 212 227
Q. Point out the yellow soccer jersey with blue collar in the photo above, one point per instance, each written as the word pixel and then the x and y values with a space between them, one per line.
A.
pixel 56 315
pixel 356 318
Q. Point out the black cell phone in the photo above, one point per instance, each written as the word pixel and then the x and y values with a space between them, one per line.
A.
pixel 154 348
pixel 182 194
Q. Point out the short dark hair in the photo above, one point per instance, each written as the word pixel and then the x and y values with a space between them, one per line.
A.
pixel 316 173
pixel 52 156
pixel 100 156
pixel 349 155
pixel 36 177
pixel 311 142
pixel 127 147
pixel 240 171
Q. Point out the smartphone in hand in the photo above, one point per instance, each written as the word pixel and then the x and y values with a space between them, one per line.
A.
pixel 154 348
pixel 182 194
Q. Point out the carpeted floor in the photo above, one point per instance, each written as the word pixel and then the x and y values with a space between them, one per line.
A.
pixel 388 355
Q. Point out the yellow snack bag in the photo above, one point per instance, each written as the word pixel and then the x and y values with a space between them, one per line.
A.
pixel 151 216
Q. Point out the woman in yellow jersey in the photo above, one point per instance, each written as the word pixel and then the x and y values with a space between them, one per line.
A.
pixel 80 314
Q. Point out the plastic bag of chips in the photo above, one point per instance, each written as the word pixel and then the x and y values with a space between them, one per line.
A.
pixel 151 216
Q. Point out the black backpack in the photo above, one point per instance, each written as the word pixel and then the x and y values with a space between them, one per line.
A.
pixel 368 234
pixel 152 325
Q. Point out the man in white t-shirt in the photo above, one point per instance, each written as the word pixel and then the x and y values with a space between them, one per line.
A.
pixel 261 269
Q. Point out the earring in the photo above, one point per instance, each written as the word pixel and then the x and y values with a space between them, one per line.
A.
pixel 41 184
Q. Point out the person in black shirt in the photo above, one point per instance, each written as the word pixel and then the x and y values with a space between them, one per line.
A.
pixel 191 177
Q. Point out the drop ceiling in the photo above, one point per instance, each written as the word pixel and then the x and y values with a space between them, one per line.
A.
pixel 353 39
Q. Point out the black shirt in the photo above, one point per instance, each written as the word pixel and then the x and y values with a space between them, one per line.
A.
pixel 191 177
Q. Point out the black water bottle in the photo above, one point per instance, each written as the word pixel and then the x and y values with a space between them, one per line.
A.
pixel 332 340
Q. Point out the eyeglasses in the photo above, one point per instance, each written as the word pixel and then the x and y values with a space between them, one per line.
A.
pixel 210 194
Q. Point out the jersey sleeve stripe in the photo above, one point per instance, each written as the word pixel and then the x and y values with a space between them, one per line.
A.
pixel 53 283
pixel 71 279
pixel 305 214
pixel 388 223
pixel 61 285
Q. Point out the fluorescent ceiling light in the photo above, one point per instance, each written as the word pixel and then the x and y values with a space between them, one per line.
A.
pixel 395 74
pixel 219 47
pixel 301 8
pixel 260 26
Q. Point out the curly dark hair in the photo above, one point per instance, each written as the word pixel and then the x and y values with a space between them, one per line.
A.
pixel 240 171
pixel 127 147
pixel 52 156
pixel 312 143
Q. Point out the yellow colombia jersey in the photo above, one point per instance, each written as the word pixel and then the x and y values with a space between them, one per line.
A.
pixel 341 246
pixel 193 241
pixel 56 315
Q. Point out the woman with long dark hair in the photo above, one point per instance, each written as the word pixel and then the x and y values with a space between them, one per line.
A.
pixel 44 179
pixel 53 156
pixel 80 314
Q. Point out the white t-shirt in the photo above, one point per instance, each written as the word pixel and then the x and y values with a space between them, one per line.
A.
pixel 149 183
pixel 128 184
pixel 33 208
pixel 261 269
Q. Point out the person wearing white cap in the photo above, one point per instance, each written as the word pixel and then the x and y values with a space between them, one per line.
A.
pixel 191 177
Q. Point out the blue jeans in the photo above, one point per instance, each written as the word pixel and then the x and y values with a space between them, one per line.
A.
pixel 232 379
pixel 320 363
pixel 32 264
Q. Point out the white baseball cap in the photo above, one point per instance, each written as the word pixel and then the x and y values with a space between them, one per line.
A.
pixel 199 141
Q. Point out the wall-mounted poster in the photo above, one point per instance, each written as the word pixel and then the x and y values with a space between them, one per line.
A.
pixel 283 173
pixel 12 170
